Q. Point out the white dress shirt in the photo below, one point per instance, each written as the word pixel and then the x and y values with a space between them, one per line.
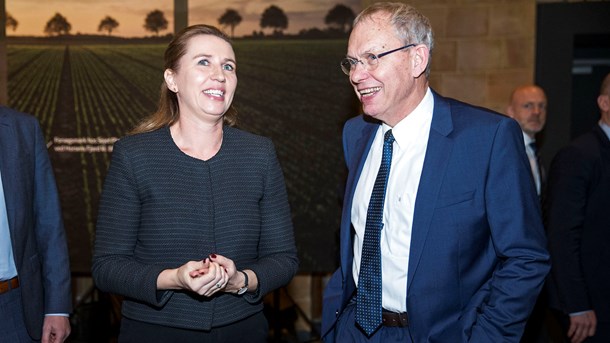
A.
pixel 408 154
pixel 531 155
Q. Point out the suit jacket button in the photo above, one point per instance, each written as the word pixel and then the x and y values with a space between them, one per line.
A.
pixel 337 313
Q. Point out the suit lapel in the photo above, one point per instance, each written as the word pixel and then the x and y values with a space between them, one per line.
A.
pixel 603 138
pixel 7 137
pixel 7 159
pixel 433 172
pixel 361 149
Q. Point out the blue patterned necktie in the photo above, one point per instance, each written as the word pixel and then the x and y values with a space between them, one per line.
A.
pixel 368 297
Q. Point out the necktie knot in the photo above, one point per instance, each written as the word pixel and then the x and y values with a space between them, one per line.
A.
pixel 534 148
pixel 388 138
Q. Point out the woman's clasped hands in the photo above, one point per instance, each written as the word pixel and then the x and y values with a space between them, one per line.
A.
pixel 208 276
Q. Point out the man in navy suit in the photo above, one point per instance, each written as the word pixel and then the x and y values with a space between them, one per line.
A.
pixel 462 246
pixel 35 296
pixel 579 231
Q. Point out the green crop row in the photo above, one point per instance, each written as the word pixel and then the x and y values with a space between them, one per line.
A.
pixel 34 88
pixel 291 91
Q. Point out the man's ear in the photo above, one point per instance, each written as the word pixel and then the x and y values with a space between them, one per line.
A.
pixel 168 75
pixel 603 101
pixel 421 56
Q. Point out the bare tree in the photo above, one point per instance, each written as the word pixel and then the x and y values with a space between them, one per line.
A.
pixel 58 24
pixel 155 21
pixel 230 18
pixel 108 24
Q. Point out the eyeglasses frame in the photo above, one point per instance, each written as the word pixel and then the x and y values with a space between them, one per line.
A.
pixel 354 62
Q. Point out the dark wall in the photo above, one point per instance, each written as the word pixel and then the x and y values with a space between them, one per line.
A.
pixel 572 56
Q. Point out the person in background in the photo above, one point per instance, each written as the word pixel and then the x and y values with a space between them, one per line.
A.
pixel 528 106
pixel 436 244
pixel 579 231
pixel 35 288
pixel 194 225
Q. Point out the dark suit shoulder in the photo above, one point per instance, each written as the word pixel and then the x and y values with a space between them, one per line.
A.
pixel 357 127
pixel 471 113
pixel 24 130
pixel 585 147
pixel 593 140
pixel 458 118
pixel 360 121
pixel 17 118
pixel 583 157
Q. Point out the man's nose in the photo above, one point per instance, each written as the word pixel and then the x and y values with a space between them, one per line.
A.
pixel 538 108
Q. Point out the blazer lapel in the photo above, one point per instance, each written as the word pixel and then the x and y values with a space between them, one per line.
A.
pixel 434 170
pixel 7 138
pixel 603 138
pixel 361 149
pixel 7 159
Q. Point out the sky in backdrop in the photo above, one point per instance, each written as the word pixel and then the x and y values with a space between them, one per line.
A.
pixel 85 15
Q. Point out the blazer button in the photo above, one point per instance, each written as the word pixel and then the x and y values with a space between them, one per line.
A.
pixel 337 313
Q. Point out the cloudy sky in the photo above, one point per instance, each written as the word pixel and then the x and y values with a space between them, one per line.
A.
pixel 85 15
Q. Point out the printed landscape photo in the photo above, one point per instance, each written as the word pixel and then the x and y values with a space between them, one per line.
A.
pixel 89 88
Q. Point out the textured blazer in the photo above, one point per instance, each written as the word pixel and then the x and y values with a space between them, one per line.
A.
pixel 34 216
pixel 579 226
pixel 478 256
pixel 161 208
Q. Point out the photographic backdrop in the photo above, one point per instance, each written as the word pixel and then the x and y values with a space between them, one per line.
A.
pixel 88 88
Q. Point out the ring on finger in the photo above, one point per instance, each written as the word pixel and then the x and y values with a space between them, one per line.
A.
pixel 219 285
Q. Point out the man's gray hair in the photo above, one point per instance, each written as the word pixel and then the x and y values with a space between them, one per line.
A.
pixel 410 25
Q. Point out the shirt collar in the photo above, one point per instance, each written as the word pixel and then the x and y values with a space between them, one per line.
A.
pixel 410 127
pixel 527 139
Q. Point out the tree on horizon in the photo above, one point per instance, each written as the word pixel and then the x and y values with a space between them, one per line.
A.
pixel 342 16
pixel 108 24
pixel 230 18
pixel 155 21
pixel 11 22
pixel 58 24
pixel 274 17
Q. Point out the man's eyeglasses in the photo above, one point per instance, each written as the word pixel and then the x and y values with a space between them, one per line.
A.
pixel 368 60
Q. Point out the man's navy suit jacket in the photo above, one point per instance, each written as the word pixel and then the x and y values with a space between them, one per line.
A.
pixel 579 226
pixel 478 257
pixel 34 216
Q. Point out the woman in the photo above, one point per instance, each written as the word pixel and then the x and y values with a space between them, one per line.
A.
pixel 194 225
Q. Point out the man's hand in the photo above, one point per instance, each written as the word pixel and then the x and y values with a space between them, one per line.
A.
pixel 55 329
pixel 582 326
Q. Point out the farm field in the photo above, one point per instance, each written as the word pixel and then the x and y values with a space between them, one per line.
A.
pixel 88 96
